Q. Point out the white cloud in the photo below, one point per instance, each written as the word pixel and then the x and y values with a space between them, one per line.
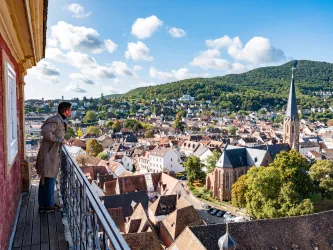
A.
pixel 86 64
pixel 180 74
pixel 69 37
pixel 210 59
pixel 145 27
pixel 75 88
pixel 257 50
pixel 79 78
pixel 121 68
pixel 117 81
pixel 138 51
pixel 110 45
pixel 154 73
pixel 109 90
pixel 177 32
pixel 137 68
pixel 45 71
pixel 77 10
pixel 224 42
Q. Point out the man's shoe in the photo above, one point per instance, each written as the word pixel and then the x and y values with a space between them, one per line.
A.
pixel 41 209
pixel 52 209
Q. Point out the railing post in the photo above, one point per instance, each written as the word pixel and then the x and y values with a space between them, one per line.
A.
pixel 85 211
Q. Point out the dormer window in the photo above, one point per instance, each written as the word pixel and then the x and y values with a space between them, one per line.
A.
pixel 255 159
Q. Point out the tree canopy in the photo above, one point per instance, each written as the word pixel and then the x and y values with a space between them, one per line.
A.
pixel 103 155
pixel 281 189
pixel 211 161
pixel 69 133
pixel 193 168
pixel 92 130
pixel 93 147
pixel 90 117
pixel 322 175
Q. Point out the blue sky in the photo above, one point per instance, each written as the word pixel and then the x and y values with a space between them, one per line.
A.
pixel 109 46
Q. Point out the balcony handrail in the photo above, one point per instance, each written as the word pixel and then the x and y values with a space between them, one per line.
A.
pixel 109 227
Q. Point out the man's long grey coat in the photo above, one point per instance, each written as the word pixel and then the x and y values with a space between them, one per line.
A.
pixel 48 158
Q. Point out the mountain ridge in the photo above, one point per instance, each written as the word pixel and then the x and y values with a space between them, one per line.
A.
pixel 310 76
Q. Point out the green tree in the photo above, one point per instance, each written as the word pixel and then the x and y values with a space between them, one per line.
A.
pixel 232 130
pixel 90 117
pixel 294 168
pixel 116 126
pixel 92 130
pixel 178 124
pixel 193 168
pixel 149 134
pixel 239 189
pixel 103 155
pixel 69 133
pixel 79 133
pixel 322 175
pixel 261 112
pixel 211 161
pixel 93 147
pixel 109 124
pixel 132 124
pixel 279 190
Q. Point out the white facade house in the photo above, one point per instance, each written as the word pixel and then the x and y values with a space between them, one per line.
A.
pixel 165 159
pixel 143 163
pixel 306 147
pixel 187 98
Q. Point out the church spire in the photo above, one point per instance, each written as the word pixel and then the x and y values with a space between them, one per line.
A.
pixel 291 122
pixel 291 111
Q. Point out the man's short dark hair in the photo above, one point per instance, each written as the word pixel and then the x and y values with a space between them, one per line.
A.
pixel 63 106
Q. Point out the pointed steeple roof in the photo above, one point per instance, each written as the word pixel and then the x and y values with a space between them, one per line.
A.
pixel 291 111
pixel 226 242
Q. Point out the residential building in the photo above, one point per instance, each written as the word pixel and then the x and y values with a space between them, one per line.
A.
pixel 305 147
pixel 161 159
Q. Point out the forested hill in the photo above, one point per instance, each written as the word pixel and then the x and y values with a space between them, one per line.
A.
pixel 250 90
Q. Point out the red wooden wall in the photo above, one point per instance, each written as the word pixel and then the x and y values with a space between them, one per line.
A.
pixel 11 184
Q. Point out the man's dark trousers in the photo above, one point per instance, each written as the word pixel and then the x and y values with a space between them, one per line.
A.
pixel 46 193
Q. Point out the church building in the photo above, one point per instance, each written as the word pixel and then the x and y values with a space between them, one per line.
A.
pixel 291 120
pixel 236 161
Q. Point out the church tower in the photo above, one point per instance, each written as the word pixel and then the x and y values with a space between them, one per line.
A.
pixel 291 121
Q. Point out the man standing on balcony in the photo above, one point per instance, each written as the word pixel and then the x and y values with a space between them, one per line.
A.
pixel 48 159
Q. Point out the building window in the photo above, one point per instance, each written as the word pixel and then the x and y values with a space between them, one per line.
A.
pixel 292 129
pixel 11 114
pixel 287 128
pixel 235 176
pixel 255 159
pixel 227 181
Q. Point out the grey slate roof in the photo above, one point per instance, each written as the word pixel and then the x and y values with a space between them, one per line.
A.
pixel 199 151
pixel 252 156
pixel 291 111
pixel 125 201
pixel 300 232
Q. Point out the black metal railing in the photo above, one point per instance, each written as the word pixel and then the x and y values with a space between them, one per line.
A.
pixel 89 223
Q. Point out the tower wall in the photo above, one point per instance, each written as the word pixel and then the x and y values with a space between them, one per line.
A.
pixel 291 133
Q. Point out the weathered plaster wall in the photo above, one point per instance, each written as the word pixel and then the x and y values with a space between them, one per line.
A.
pixel 11 184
